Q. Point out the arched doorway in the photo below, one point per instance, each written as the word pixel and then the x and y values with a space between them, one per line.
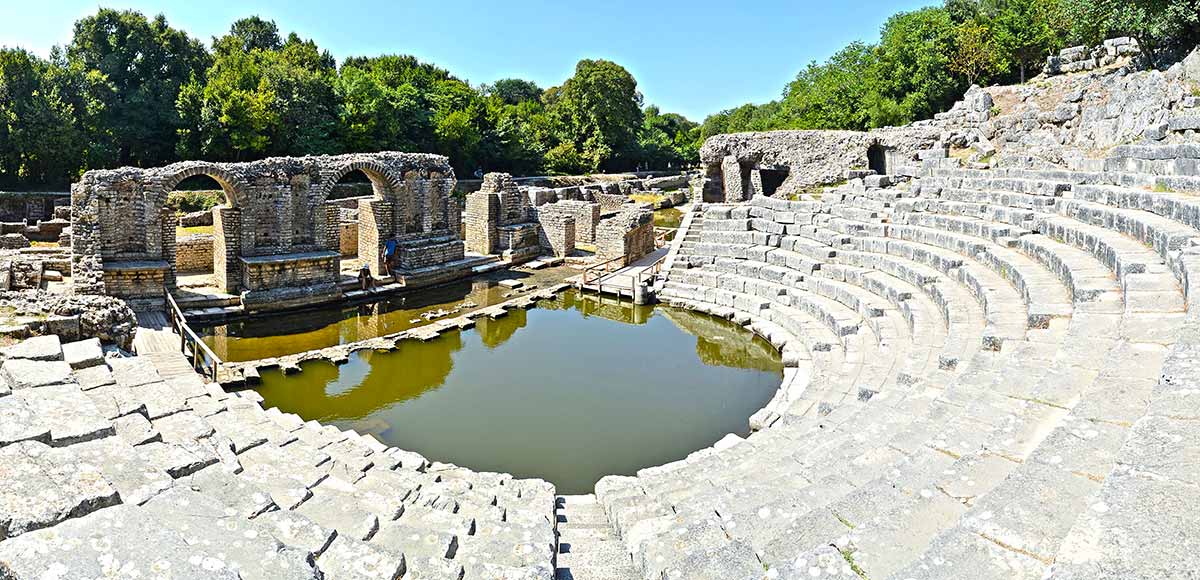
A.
pixel 354 194
pixel 878 158
pixel 199 244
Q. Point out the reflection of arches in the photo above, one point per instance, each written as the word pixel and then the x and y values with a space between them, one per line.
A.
pixel 369 382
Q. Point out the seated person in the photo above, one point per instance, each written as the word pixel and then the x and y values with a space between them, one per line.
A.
pixel 365 279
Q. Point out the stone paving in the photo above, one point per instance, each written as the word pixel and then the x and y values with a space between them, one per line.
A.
pixel 108 470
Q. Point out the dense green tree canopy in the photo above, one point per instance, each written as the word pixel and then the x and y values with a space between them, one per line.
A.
pixel 128 90
pixel 926 58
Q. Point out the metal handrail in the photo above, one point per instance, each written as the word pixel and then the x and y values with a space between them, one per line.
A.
pixel 203 359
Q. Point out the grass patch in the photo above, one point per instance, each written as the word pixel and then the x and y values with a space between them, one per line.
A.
pixel 37 244
pixel 1162 188
pixel 181 231
pixel 848 556
pixel 647 197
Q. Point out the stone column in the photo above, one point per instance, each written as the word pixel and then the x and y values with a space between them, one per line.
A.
pixel 483 215
pixel 167 221
pixel 227 246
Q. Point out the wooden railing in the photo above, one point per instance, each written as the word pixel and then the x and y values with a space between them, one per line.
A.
pixel 202 358
pixel 607 266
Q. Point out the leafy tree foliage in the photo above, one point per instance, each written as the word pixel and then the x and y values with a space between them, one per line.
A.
pixel 925 59
pixel 132 90
pixel 146 63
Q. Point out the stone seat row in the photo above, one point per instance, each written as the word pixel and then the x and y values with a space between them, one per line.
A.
pixel 101 458
pixel 972 537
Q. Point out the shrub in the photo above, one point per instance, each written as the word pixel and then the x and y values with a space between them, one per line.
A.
pixel 193 201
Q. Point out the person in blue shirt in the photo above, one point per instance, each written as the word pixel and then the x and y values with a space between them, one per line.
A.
pixel 390 258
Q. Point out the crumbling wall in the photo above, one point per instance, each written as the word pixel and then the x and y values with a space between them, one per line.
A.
pixel 556 230
pixel 810 158
pixel 123 232
pixel 628 234
pixel 194 253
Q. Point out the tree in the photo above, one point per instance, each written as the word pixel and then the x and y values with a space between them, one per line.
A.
pixel 911 78
pixel 248 34
pixel 973 53
pixel 599 110
pixel 1026 32
pixel 146 62
pixel 830 95
pixel 39 141
pixel 1161 26
pixel 514 91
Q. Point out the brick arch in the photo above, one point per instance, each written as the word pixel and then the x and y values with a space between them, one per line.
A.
pixel 233 186
pixel 380 175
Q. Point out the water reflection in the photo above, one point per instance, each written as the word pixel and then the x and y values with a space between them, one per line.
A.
pixel 572 390
pixel 281 334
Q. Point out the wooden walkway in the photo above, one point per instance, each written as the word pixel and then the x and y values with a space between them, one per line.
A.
pixel 621 282
pixel 157 341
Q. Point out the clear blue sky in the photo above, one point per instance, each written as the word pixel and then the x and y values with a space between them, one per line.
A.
pixel 694 57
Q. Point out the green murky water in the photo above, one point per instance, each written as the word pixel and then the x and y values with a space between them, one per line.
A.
pixel 667 218
pixel 293 332
pixel 570 391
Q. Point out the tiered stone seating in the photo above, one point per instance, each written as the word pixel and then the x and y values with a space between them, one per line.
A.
pixel 106 469
pixel 1020 428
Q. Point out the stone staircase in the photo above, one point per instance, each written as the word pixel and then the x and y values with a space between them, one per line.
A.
pixel 588 549
pixel 108 462
pixel 973 381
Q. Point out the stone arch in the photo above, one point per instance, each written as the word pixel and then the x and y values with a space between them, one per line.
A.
pixel 226 237
pixel 382 180
pixel 232 186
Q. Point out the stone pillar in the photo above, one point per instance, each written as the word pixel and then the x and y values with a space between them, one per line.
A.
pixel 169 247
pixel 731 177
pixel 329 234
pixel 556 232
pixel 227 246
pixel 756 186
pixel 483 215
pixel 374 227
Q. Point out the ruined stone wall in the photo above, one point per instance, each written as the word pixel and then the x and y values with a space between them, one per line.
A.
pixel 348 238
pixel 275 207
pixel 586 215
pixel 556 231
pixel 809 157
pixel 498 218
pixel 194 253
pixel 628 234
pixel 32 206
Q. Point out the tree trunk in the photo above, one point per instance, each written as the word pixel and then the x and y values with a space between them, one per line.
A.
pixel 1022 66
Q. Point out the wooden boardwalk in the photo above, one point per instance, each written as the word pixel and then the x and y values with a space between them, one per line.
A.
pixel 156 340
pixel 622 281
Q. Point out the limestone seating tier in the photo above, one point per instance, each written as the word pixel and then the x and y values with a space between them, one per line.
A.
pixel 1029 457
pixel 106 469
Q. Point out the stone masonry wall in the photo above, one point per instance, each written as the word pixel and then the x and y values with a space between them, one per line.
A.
pixel 275 207
pixel 194 253
pixel 587 216
pixel 629 233
pixel 556 231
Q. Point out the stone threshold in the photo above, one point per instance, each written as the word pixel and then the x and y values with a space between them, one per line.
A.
pixel 246 373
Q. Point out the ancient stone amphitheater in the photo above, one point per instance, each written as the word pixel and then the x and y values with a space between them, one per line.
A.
pixel 991 373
